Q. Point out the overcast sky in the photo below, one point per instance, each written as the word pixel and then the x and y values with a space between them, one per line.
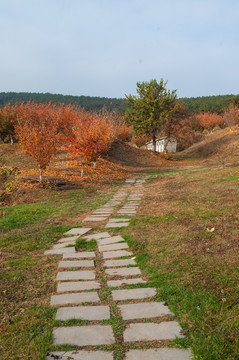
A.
pixel 103 47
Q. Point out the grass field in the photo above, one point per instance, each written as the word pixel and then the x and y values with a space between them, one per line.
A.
pixel 27 276
pixel 186 240
pixel 185 236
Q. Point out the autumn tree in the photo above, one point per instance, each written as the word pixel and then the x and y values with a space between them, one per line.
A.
pixel 92 134
pixel 37 129
pixel 7 122
pixel 231 116
pixel 209 121
pixel 149 111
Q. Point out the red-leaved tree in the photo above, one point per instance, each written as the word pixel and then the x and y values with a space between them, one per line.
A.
pixel 231 116
pixel 37 128
pixel 210 120
pixel 92 134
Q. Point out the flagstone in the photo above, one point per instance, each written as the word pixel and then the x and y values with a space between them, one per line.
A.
pixel 77 286
pixel 102 235
pixel 116 283
pixel 83 313
pixel 127 271
pixel 116 225
pixel 159 354
pixel 63 245
pixel 128 294
pixel 112 247
pixel 118 220
pixel 166 330
pixel 122 262
pixel 74 298
pixel 76 263
pixel 80 355
pixel 144 310
pixel 110 240
pixel 102 213
pixel 83 335
pixel 67 239
pixel 75 275
pixel 66 250
pixel 77 231
pixel 116 254
pixel 79 255
pixel 95 218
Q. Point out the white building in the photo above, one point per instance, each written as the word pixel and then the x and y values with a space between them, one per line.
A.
pixel 171 144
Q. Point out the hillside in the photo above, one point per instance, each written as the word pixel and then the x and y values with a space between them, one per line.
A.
pixel 222 145
pixel 134 159
pixel 215 104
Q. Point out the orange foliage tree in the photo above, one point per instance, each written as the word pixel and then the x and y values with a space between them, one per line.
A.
pixel 7 122
pixel 92 134
pixel 210 120
pixel 231 116
pixel 38 131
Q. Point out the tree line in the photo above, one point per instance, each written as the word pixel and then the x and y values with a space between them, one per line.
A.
pixel 214 104
pixel 88 102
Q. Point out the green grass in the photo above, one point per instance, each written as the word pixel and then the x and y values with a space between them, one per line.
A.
pixel 230 178
pixel 86 245
pixel 27 275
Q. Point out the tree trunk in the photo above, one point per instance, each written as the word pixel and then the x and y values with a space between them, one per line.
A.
pixel 82 169
pixel 94 164
pixel 40 169
pixel 11 139
pixel 154 143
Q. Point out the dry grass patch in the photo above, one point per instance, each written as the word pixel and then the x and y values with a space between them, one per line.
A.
pixel 185 236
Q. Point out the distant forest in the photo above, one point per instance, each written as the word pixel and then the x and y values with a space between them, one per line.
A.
pixel 214 104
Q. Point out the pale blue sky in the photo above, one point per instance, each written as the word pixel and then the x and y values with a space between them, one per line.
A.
pixel 103 47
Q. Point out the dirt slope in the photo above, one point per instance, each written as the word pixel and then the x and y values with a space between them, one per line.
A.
pixel 223 144
pixel 128 156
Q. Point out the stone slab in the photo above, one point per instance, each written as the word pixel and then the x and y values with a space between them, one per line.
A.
pixel 118 220
pixel 78 298
pixel 110 240
pixel 144 310
pixel 79 255
pixel 102 235
pixel 113 247
pixel 102 213
pixel 83 313
pixel 80 355
pixel 83 335
pixel 116 225
pixel 126 271
pixel 159 354
pixel 77 286
pixel 128 294
pixel 77 231
pixel 76 263
pixel 67 239
pixel 166 330
pixel 116 254
pixel 107 208
pixel 95 218
pixel 122 262
pixel 69 250
pixel 63 245
pixel 117 283
pixel 75 275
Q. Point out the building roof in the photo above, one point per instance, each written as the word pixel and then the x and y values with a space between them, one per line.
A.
pixel 161 138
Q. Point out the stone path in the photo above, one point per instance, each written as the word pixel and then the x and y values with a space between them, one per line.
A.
pixel 92 289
